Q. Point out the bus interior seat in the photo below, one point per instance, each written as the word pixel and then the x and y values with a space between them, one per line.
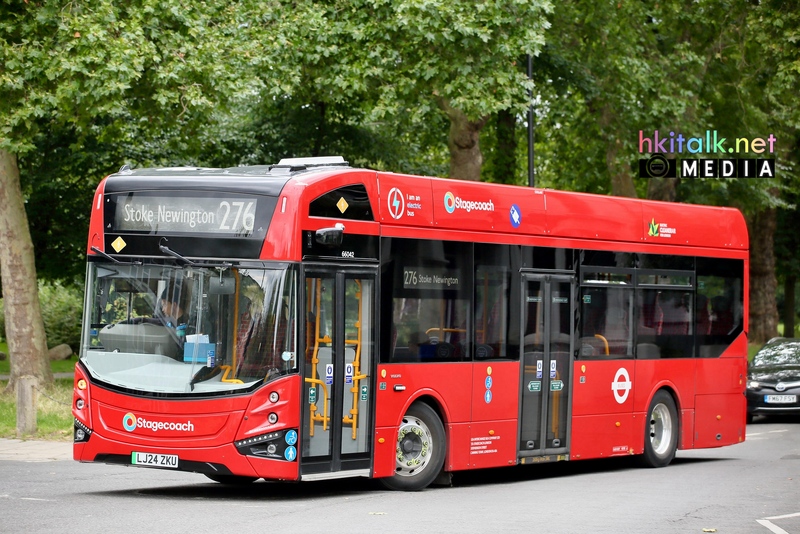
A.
pixel 445 350
pixel 592 346
pixel 484 352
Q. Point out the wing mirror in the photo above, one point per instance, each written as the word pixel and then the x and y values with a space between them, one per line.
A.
pixel 331 237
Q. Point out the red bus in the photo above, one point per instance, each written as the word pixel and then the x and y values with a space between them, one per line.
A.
pixel 308 320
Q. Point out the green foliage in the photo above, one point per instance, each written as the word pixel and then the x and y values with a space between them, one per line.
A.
pixel 62 307
pixel 612 69
pixel 100 66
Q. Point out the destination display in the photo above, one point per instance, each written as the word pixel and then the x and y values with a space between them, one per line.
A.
pixel 168 215
pixel 428 278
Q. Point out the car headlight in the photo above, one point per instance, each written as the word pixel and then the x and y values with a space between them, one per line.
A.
pixel 753 384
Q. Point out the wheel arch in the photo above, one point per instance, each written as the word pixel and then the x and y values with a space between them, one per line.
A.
pixel 433 400
pixel 670 389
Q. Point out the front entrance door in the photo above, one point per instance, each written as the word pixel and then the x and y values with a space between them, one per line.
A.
pixel 547 341
pixel 339 361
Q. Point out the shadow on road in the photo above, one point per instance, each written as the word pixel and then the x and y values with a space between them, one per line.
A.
pixel 288 491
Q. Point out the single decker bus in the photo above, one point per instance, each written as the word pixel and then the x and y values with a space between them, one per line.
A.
pixel 309 320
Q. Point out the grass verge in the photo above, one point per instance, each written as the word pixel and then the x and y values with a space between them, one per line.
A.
pixel 54 412
pixel 60 366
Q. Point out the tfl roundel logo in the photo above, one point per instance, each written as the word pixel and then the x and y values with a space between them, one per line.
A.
pixel 129 422
pixel 449 202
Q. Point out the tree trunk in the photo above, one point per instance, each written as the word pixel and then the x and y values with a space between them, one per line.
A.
pixel 665 189
pixel 788 305
pixel 465 151
pixel 27 343
pixel 763 284
pixel 505 159
pixel 619 174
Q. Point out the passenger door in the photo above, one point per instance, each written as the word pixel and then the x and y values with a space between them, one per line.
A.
pixel 547 348
pixel 339 350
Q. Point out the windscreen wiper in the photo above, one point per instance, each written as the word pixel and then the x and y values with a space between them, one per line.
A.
pixel 186 261
pixel 166 250
pixel 115 260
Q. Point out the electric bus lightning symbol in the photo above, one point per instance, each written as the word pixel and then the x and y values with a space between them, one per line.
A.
pixel 396 204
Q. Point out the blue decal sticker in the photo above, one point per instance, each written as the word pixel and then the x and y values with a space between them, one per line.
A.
pixel 515 215
pixel 290 453
pixel 348 373
pixel 291 437
pixel 487 396
pixel 488 382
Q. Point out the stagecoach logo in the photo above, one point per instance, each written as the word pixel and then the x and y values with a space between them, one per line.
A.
pixel 621 385
pixel 130 422
pixel 451 202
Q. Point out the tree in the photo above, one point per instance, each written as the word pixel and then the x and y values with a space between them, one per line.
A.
pixel 411 58
pixel 787 243
pixel 674 66
pixel 25 334
pixel 464 57
pixel 106 71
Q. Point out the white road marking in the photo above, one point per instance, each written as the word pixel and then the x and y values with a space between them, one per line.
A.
pixel 775 528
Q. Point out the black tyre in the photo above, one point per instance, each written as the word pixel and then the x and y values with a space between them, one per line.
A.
pixel 661 431
pixel 231 479
pixel 420 450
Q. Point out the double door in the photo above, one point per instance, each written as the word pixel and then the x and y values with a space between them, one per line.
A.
pixel 547 348
pixel 339 362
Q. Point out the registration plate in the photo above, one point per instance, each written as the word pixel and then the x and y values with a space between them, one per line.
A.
pixel 780 399
pixel 154 460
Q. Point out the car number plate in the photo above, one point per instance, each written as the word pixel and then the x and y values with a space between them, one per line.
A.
pixel 780 399
pixel 154 460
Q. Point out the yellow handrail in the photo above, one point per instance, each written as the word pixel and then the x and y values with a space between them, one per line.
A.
pixel 228 370
pixel 605 342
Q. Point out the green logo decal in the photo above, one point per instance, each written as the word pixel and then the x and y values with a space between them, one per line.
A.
pixel 653 231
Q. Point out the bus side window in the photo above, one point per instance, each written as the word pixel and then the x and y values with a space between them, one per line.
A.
pixel 606 319
pixel 431 294
pixel 720 289
pixel 666 323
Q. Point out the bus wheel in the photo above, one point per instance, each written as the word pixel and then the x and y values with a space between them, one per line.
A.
pixel 231 479
pixel 420 449
pixel 661 440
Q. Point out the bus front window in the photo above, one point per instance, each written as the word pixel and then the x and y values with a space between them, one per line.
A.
pixel 196 330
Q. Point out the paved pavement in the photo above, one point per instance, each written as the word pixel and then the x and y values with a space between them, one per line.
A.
pixel 35 451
